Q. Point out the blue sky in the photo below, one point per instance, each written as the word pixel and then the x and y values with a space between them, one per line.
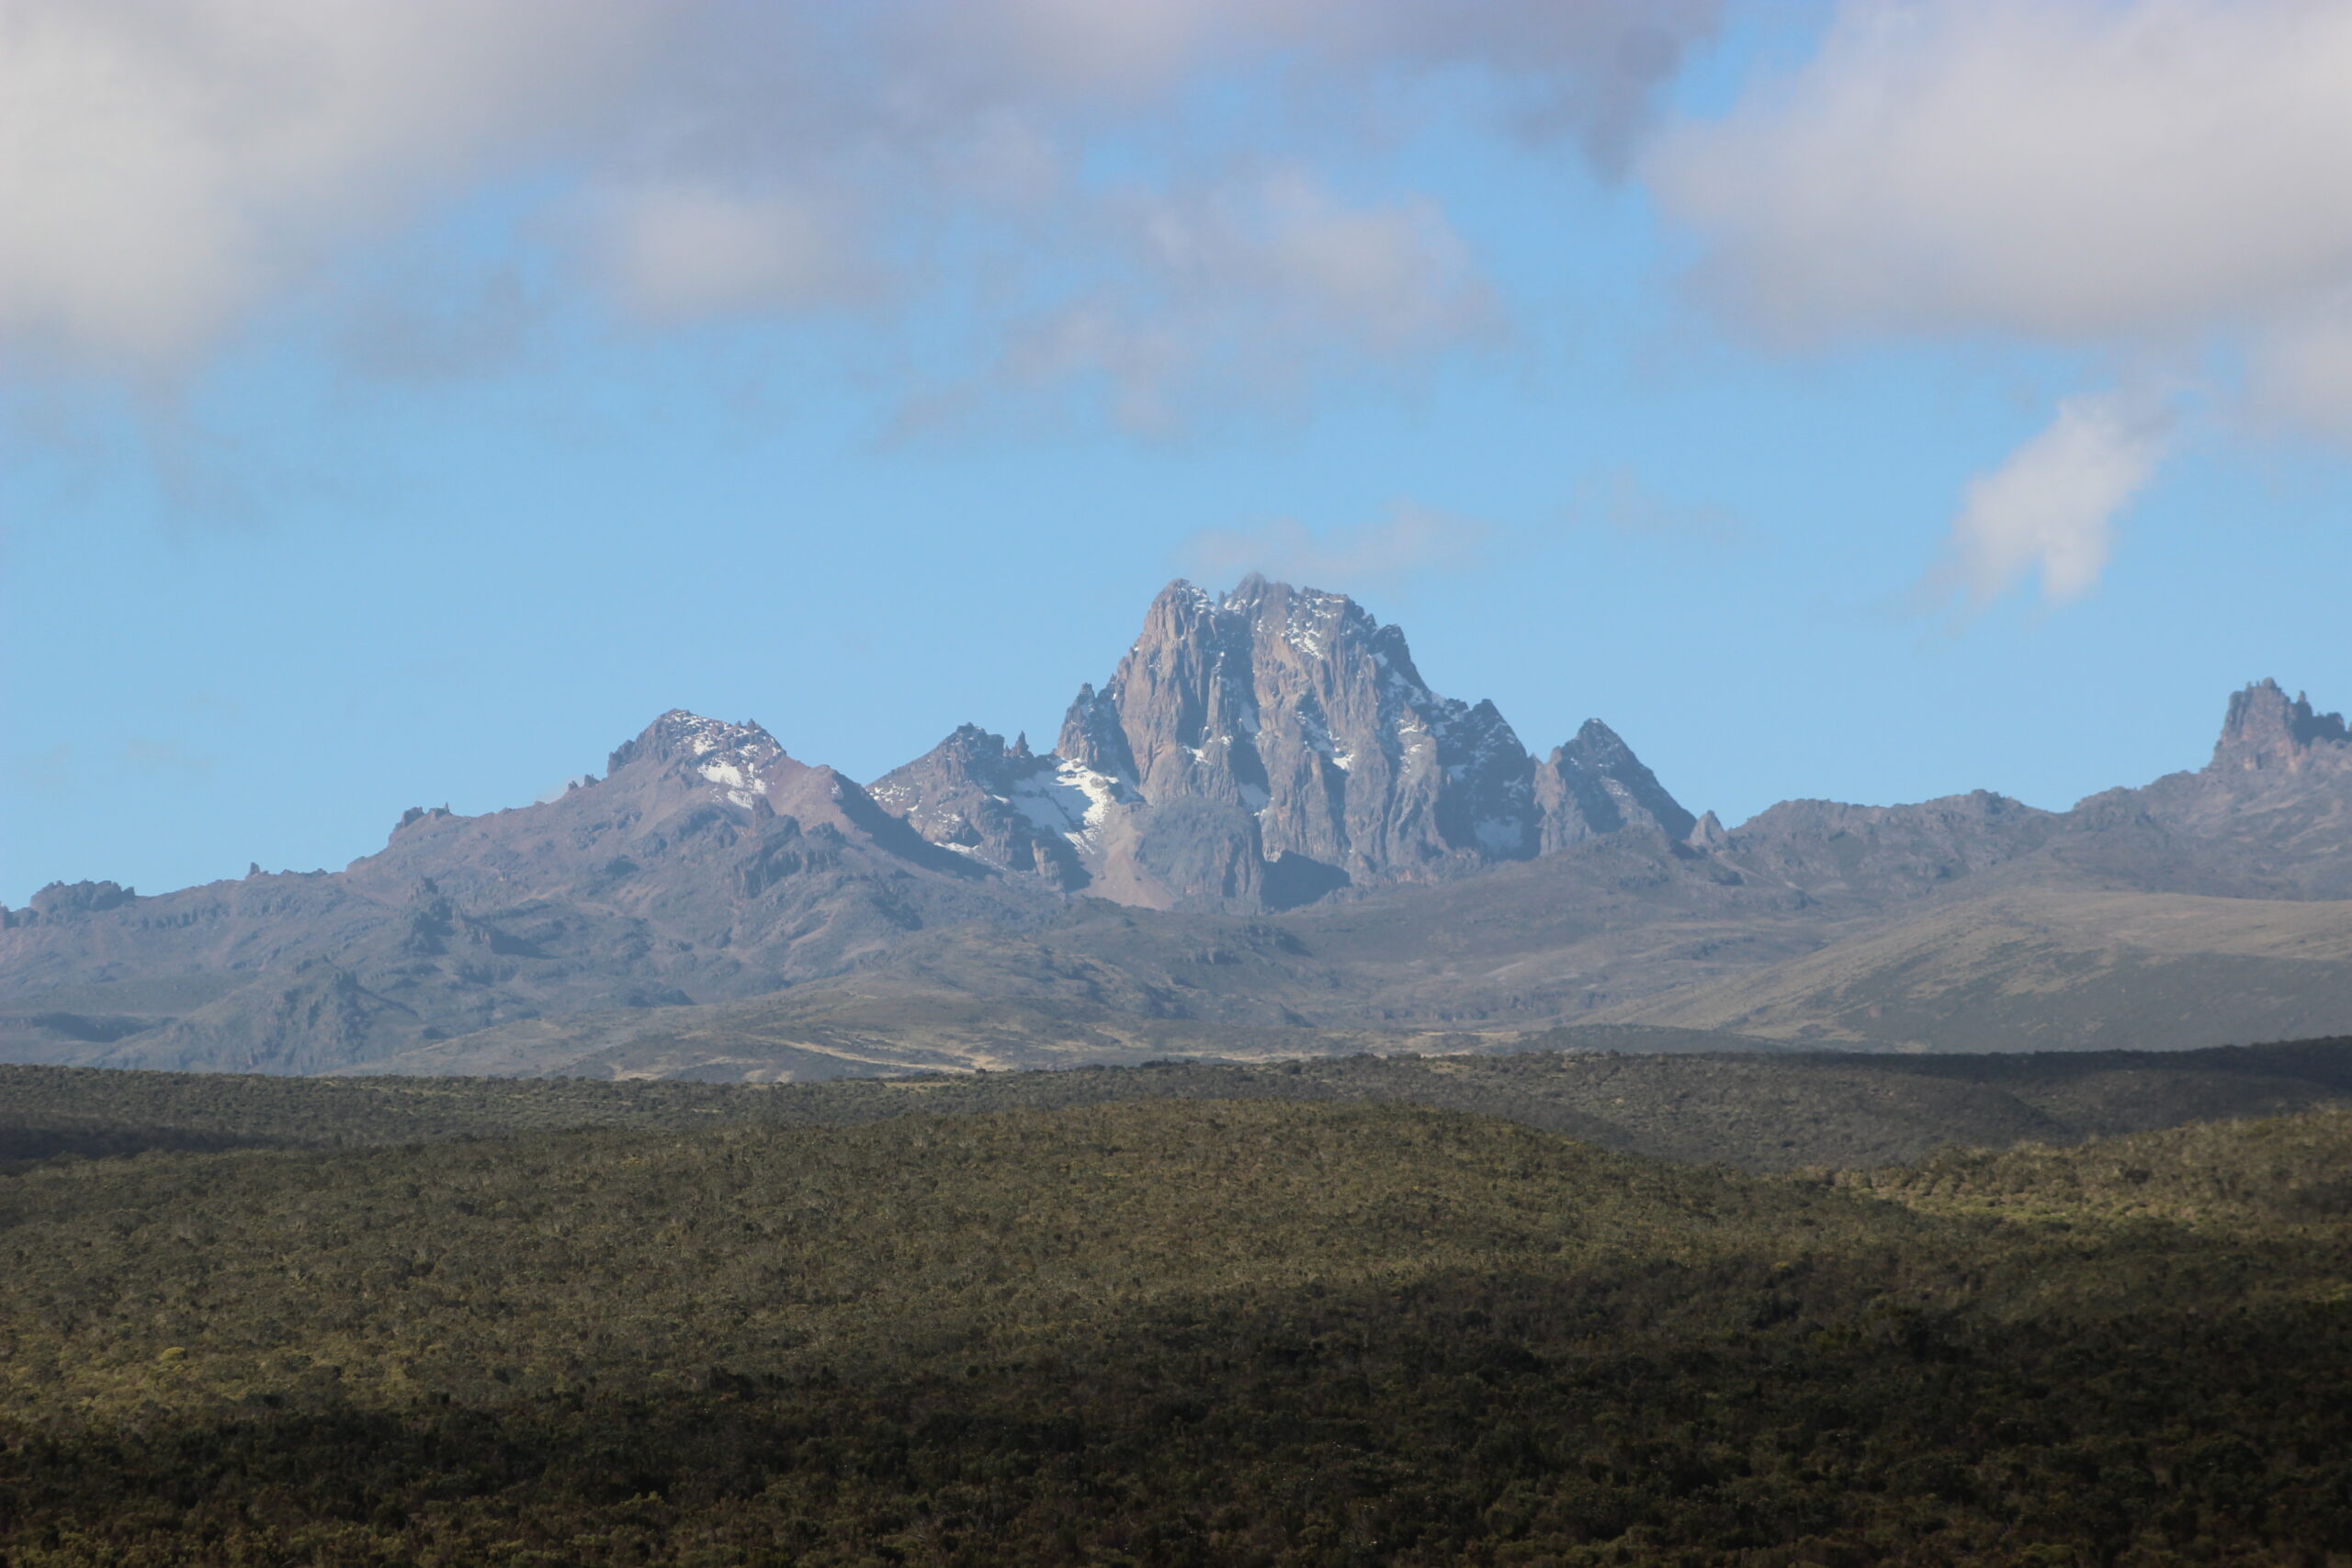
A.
pixel 1840 401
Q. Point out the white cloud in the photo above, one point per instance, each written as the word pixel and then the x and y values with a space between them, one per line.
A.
pixel 2051 506
pixel 1586 71
pixel 1411 542
pixel 2301 368
pixel 165 168
pixel 1250 286
pixel 2070 169
pixel 2167 183
pixel 172 171
pixel 678 251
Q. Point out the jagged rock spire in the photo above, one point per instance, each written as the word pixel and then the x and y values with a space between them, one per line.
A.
pixel 1266 745
pixel 1595 784
pixel 2263 730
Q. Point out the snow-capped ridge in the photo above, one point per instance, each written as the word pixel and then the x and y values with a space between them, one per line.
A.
pixel 740 761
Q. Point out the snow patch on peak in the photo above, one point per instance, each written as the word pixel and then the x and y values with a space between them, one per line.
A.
pixel 1071 800
pixel 740 781
pixel 1192 597
pixel 699 736
pixel 737 759
pixel 1311 620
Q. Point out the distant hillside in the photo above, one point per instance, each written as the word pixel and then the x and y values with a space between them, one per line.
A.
pixel 1754 1110
pixel 2048 970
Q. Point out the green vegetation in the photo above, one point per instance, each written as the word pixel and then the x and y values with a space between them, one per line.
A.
pixel 1176 1330
pixel 1759 1111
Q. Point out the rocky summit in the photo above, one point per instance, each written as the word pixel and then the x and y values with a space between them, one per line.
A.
pixel 2265 732
pixel 1263 748
pixel 1262 833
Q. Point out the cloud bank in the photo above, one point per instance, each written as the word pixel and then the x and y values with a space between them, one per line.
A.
pixel 165 169
pixel 174 174
pixel 2068 169
pixel 2159 182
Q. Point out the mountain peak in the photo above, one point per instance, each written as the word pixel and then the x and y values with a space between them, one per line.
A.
pixel 1260 742
pixel 2266 731
pixel 739 760
pixel 1289 724
pixel 1251 588
pixel 1595 784
pixel 1001 804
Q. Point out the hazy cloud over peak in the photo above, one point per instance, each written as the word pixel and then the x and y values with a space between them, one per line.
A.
pixel 1412 541
pixel 1254 283
pixel 675 251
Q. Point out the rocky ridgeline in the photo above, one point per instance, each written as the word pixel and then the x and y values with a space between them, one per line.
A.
pixel 1252 751
pixel 1263 748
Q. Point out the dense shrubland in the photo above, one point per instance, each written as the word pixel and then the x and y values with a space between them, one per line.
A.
pixel 1175 1331
pixel 1761 1112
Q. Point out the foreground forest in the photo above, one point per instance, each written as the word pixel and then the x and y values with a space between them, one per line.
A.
pixel 1163 1330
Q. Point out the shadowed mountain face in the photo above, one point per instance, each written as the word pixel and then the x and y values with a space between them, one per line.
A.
pixel 1263 834
pixel 1261 749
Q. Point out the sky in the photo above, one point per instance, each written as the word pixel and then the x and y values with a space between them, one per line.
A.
pixel 403 401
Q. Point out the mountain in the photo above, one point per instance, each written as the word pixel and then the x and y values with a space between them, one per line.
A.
pixel 1263 834
pixel 1263 749
pixel 1003 805
pixel 707 864
pixel 2271 811
pixel 1595 784
pixel 2209 906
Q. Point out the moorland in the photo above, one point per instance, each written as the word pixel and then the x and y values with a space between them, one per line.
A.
pixel 1184 1313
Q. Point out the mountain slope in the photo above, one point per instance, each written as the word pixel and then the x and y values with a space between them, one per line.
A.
pixel 707 863
pixel 2048 970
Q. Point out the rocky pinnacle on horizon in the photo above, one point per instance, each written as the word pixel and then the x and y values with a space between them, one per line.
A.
pixel 1260 749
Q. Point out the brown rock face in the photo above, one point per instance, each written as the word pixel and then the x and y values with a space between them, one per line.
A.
pixel 2263 732
pixel 1262 749
pixel 1001 804
pixel 1595 784
pixel 1300 735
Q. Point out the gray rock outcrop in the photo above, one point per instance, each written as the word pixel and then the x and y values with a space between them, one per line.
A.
pixel 1262 749
pixel 2265 732
pixel 1595 784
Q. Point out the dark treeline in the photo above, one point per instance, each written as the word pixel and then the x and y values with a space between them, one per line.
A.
pixel 1763 1113
pixel 1174 1331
